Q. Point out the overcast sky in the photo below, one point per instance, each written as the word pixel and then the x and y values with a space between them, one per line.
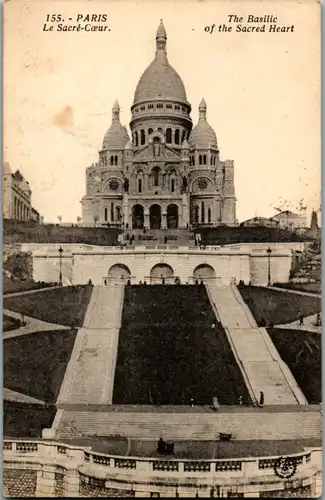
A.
pixel 262 92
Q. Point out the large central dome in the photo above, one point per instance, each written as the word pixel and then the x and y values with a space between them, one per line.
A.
pixel 160 80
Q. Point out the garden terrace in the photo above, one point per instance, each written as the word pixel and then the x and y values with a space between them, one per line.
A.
pixel 26 420
pixel 224 235
pixel 301 351
pixel 168 351
pixel 16 285
pixel 277 307
pixel 28 232
pixel 35 364
pixel 64 305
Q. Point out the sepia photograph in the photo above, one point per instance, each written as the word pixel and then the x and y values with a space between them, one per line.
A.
pixel 162 249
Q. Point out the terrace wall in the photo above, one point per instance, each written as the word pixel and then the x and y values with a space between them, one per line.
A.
pixel 55 469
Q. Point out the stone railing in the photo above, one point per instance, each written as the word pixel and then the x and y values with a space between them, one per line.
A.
pixel 83 464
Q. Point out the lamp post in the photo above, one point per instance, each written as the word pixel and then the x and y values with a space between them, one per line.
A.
pixel 60 275
pixel 269 251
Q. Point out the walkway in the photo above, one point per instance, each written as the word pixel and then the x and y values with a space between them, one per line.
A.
pixel 308 326
pixel 27 292
pixel 90 372
pixel 296 292
pixel 256 355
pixel 18 397
pixel 32 325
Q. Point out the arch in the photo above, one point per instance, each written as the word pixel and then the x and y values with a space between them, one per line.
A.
pixel 204 272
pixel 162 271
pixel 119 271
pixel 169 136
pixel 172 216
pixel 150 130
pixel 177 136
pixel 155 216
pixel 137 217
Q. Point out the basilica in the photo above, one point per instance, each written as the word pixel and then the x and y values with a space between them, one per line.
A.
pixel 169 174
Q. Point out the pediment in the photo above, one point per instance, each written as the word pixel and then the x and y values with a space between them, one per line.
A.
pixel 147 154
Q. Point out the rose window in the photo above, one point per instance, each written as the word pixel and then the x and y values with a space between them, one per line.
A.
pixel 202 183
pixel 113 185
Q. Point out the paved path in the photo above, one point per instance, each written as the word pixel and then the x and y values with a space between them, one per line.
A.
pixel 90 373
pixel 295 292
pixel 259 361
pixel 32 325
pixel 38 290
pixel 308 326
pixel 18 397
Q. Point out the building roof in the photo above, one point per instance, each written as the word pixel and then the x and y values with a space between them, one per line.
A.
pixel 116 136
pixel 286 213
pixel 203 135
pixel 160 81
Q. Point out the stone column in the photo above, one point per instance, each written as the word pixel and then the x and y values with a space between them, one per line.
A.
pixel 71 484
pixel 164 220
pixel 45 482
pixel 146 220
pixel 125 209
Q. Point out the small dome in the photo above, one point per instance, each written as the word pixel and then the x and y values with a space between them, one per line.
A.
pixel 160 80
pixel 116 136
pixel 203 135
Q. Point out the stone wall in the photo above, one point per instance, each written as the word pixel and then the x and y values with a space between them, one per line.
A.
pixel 19 483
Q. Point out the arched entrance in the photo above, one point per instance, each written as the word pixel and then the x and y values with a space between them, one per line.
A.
pixel 137 217
pixel 172 216
pixel 155 217
pixel 118 271
pixel 161 273
pixel 204 272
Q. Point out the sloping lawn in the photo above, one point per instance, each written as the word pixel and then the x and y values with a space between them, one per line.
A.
pixel 169 353
pixel 35 364
pixel 277 307
pixel 23 420
pixel 10 323
pixel 302 352
pixel 64 306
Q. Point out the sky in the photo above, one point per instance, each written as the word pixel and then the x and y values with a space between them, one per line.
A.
pixel 262 92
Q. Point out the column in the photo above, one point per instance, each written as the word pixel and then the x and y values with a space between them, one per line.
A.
pixel 45 486
pixel 126 209
pixel 164 220
pixel 71 484
pixel 146 220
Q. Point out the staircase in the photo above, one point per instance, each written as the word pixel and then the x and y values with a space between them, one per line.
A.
pixel 90 373
pixel 257 357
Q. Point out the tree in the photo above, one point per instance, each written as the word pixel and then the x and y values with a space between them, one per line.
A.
pixel 60 219
pixel 79 219
pixel 95 219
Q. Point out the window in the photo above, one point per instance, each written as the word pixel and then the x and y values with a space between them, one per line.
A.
pixel 136 109
pixel 177 107
pixel 150 130
pixel 209 214
pixel 155 172
pixel 112 212
pixel 169 106
pixel 196 215
pixel 183 136
pixel 136 139
pixel 150 106
pixel 173 186
pixel 211 160
pixel 112 160
pixel 204 159
pixel 142 108
pixel 143 137
pixel 105 214
pixel 118 214
pixel 140 185
pixel 169 136
pixel 183 109
pixel 115 160
pixel 200 160
pixel 177 136
pixel 160 105
pixel 202 212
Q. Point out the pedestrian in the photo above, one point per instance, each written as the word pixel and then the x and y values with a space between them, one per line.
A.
pixel 301 320
pixel 105 282
pixel 191 402
pixel 261 403
pixel 240 400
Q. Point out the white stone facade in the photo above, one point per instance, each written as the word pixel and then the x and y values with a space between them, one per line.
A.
pixel 169 175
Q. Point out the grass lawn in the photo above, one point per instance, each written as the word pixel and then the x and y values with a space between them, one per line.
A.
pixel 168 353
pixel 35 364
pixel 16 285
pixel 302 353
pixel 26 421
pixel 65 306
pixel 10 323
pixel 302 287
pixel 277 307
